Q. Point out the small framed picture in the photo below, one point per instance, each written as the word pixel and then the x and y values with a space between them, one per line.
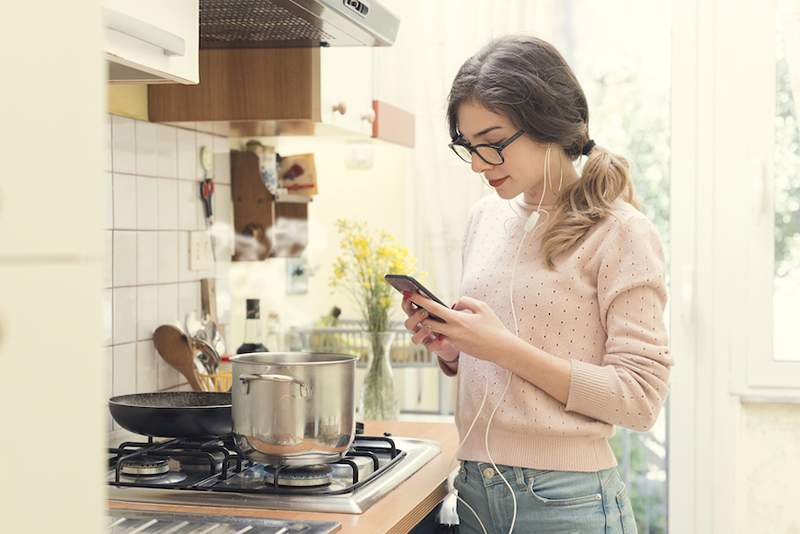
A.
pixel 296 276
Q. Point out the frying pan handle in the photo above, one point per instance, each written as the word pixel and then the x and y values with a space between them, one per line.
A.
pixel 305 390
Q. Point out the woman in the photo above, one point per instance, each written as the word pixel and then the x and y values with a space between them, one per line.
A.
pixel 559 335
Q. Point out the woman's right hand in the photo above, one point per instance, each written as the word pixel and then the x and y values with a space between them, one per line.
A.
pixel 433 342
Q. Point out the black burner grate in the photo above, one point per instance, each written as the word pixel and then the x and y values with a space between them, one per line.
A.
pixel 234 461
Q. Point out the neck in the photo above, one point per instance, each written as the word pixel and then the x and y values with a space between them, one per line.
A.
pixel 551 189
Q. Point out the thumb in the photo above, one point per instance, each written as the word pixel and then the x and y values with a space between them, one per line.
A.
pixel 468 303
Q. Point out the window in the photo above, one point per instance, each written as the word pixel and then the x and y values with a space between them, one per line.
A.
pixel 786 172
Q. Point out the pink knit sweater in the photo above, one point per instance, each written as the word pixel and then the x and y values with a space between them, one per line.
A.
pixel 601 308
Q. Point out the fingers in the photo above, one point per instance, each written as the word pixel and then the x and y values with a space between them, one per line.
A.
pixel 407 306
pixel 468 303
pixel 419 337
pixel 413 322
pixel 432 306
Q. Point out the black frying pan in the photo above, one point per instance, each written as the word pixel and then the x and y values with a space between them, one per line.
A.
pixel 174 414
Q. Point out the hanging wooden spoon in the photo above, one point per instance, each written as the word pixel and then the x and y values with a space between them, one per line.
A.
pixel 173 345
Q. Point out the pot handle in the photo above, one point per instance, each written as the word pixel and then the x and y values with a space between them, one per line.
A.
pixel 305 390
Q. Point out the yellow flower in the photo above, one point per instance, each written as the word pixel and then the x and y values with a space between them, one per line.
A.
pixel 365 257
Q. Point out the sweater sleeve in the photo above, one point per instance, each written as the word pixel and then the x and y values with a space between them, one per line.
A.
pixel 629 387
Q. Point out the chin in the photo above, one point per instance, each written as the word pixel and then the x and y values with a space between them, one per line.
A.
pixel 506 193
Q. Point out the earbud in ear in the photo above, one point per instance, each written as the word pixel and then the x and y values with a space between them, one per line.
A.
pixel 531 222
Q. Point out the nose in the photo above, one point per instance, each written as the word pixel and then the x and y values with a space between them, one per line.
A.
pixel 478 165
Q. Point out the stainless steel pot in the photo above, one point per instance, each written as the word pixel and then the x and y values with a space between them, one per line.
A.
pixel 294 408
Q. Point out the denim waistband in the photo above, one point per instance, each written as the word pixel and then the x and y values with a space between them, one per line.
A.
pixel 516 476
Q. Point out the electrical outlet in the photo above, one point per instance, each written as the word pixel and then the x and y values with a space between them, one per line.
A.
pixel 201 255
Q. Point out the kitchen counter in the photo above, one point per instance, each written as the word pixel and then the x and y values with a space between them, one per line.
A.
pixel 398 512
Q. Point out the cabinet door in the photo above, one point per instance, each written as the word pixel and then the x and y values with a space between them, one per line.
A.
pixel 48 214
pixel 346 88
pixel 53 394
pixel 152 41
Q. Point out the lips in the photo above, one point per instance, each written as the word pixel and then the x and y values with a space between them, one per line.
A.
pixel 498 182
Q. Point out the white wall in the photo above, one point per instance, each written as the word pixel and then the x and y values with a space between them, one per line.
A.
pixel 151 206
pixel 375 194
pixel 768 465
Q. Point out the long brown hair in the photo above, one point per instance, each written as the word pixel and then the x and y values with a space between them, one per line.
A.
pixel 527 80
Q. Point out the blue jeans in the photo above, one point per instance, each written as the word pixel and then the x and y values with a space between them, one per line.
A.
pixel 557 502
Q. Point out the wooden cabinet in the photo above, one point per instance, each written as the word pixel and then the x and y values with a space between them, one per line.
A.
pixel 265 228
pixel 152 41
pixel 283 91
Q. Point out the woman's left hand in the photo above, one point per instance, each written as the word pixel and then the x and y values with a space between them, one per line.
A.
pixel 471 326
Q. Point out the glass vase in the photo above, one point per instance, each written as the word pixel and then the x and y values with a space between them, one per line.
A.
pixel 378 398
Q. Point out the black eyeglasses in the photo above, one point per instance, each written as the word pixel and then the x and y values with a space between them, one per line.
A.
pixel 491 154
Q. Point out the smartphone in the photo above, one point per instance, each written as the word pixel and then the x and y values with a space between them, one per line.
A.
pixel 402 282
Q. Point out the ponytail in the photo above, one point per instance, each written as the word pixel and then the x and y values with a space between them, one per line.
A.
pixel 605 177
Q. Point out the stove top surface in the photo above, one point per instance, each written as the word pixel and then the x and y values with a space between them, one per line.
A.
pixel 214 474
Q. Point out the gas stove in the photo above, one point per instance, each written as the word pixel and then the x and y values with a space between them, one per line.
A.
pixel 215 473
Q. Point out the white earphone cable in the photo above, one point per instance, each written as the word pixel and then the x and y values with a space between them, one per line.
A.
pixel 530 224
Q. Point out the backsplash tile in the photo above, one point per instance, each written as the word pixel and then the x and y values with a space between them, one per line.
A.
pixel 124 201
pixel 167 257
pixel 167 303
pixel 108 267
pixel 124 258
pixel 124 315
pixel 167 215
pixel 146 311
pixel 147 257
pixel 146 203
pixel 189 205
pixel 124 381
pixel 154 203
pixel 109 147
pixel 187 149
pixel 146 155
pixel 109 199
pixel 108 317
pixel 146 367
pixel 167 151
pixel 123 142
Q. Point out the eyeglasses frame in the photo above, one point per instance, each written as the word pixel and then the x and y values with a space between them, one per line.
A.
pixel 474 149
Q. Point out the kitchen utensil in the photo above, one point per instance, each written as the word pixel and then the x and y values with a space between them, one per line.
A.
pixel 208 355
pixel 203 376
pixel 174 414
pixel 221 380
pixel 207 184
pixel 173 345
pixel 294 408
pixel 193 325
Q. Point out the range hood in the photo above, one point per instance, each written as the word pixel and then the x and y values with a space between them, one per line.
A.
pixel 295 23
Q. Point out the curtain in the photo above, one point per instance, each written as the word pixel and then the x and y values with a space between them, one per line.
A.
pixel 435 38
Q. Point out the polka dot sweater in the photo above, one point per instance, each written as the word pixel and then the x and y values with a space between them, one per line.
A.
pixel 601 308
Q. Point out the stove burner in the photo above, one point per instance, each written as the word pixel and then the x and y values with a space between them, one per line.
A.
pixel 306 476
pixel 158 480
pixel 145 467
pixel 149 471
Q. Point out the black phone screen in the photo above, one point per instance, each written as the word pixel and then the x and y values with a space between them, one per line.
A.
pixel 402 282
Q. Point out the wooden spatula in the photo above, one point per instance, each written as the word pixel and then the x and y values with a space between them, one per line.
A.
pixel 173 345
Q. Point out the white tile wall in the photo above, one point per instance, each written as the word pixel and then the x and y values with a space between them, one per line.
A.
pixel 153 203
pixel 147 257
pixel 146 203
